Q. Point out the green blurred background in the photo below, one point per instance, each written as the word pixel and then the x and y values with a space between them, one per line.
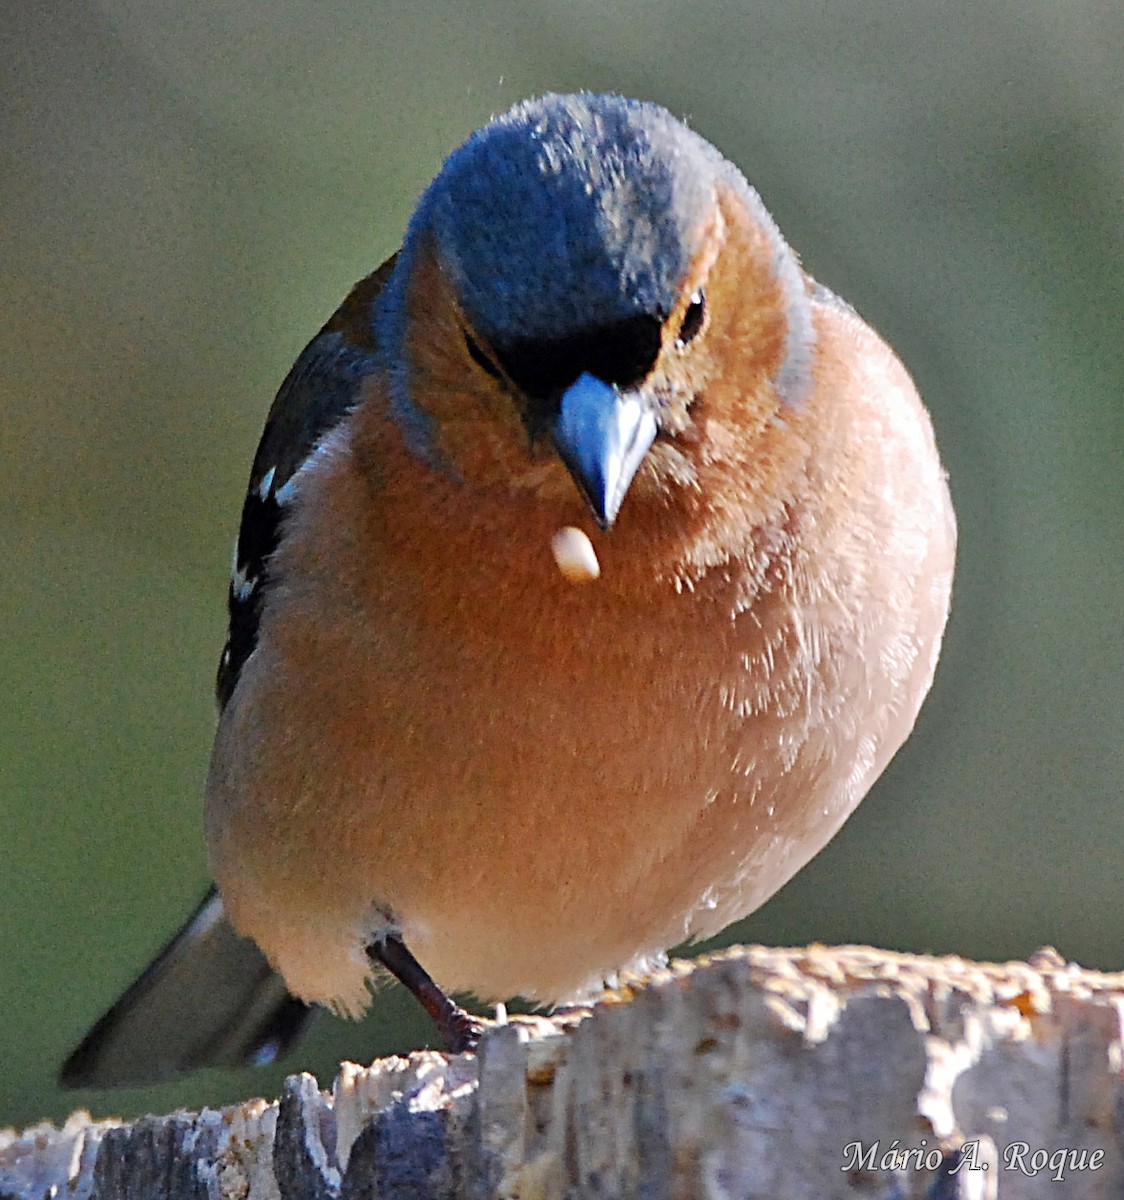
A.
pixel 186 191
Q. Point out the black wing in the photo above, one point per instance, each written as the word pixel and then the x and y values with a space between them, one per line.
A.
pixel 318 392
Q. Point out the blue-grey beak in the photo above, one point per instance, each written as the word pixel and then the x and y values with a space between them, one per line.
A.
pixel 602 435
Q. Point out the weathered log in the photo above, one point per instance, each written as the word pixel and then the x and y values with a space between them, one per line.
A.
pixel 758 1073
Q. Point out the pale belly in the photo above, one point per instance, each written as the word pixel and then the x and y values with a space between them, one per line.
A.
pixel 533 820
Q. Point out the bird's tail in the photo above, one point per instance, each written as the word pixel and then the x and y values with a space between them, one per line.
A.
pixel 209 999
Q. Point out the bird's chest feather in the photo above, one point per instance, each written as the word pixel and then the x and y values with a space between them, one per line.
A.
pixel 640 741
pixel 477 681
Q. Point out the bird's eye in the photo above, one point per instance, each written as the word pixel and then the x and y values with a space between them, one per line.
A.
pixel 693 319
pixel 480 358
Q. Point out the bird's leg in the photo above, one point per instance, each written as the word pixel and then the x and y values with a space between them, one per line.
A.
pixel 459 1029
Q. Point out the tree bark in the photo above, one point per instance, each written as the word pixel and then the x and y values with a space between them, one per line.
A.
pixel 815 1073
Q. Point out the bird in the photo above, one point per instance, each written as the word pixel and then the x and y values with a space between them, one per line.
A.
pixel 448 751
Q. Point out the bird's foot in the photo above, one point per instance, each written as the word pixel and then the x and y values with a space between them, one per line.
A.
pixel 459 1029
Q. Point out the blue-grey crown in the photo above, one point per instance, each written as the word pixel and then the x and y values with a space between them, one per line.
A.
pixel 571 212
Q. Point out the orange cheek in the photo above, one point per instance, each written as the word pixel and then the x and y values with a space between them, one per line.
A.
pixel 721 441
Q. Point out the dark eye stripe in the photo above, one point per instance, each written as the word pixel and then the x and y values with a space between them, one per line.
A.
pixel 622 352
pixel 480 358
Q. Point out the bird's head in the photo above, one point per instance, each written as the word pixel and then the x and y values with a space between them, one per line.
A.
pixel 588 282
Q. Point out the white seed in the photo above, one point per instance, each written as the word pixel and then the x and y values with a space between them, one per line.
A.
pixel 575 555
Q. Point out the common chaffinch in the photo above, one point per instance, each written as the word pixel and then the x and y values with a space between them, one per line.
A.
pixel 445 751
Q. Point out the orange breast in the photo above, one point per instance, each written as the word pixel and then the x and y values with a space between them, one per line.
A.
pixel 541 782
